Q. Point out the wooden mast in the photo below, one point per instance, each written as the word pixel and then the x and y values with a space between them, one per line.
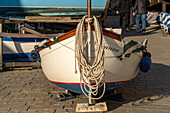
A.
pixel 88 8
pixel 91 101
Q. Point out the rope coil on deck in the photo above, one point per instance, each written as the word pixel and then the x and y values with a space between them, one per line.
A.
pixel 91 71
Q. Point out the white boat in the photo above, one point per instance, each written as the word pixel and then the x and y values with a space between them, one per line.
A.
pixel 58 60
pixel 90 60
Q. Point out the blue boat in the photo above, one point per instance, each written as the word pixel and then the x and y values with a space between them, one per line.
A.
pixel 71 8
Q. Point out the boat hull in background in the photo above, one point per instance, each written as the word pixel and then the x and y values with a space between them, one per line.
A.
pixel 73 8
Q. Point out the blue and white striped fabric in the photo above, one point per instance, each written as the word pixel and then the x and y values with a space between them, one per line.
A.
pixel 152 17
pixel 165 21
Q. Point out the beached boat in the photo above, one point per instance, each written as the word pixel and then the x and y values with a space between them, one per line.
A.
pixel 90 60
pixel 122 57
pixel 73 8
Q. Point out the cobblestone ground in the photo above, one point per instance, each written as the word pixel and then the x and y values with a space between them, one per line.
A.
pixel 28 91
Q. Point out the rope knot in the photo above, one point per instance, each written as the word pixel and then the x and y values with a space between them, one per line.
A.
pixel 89 20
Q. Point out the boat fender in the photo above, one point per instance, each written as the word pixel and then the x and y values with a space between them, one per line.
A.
pixel 145 63
pixel 34 56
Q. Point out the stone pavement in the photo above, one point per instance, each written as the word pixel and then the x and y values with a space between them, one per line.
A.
pixel 28 91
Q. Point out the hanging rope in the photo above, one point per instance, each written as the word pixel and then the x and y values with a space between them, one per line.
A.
pixel 91 67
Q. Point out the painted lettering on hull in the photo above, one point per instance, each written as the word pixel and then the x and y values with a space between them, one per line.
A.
pixel 111 48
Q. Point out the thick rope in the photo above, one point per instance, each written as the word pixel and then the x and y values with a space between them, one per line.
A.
pixel 91 67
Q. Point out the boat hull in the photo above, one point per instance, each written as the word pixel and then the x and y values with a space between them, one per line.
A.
pixel 58 64
pixel 73 8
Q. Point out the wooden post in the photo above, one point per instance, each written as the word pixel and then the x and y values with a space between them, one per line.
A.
pixel 151 2
pixel 89 43
pixel 159 1
pixel 103 19
pixel 21 27
pixel 1 51
pixel 89 8
pixel 163 6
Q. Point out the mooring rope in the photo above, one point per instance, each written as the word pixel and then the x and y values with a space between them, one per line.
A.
pixel 91 67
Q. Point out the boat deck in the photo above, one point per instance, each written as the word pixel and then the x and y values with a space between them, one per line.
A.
pixel 28 91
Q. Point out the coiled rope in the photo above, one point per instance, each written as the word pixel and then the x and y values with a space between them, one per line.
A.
pixel 91 71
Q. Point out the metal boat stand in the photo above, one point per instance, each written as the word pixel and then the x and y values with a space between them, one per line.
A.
pixel 115 96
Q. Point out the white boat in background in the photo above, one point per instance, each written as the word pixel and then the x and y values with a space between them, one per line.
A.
pixel 18 49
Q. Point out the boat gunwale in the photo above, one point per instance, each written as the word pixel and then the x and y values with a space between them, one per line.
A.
pixel 73 32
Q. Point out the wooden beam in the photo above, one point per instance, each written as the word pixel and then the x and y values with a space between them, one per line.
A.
pixel 103 19
pixel 46 18
pixel 30 30
pixel 22 64
pixel 164 6
pixel 36 19
pixel 1 49
pixel 54 21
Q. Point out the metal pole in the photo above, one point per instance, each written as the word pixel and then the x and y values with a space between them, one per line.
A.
pixel 1 51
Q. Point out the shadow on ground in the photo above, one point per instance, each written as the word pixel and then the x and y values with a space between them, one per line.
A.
pixel 146 88
pixel 150 30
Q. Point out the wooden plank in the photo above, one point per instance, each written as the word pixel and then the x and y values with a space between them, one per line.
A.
pixel 54 21
pixel 1 51
pixel 26 35
pixel 29 30
pixel 46 18
pixel 41 20
pixel 22 64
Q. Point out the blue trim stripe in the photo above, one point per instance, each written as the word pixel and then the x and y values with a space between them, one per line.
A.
pixel 16 57
pixel 77 88
pixel 23 39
